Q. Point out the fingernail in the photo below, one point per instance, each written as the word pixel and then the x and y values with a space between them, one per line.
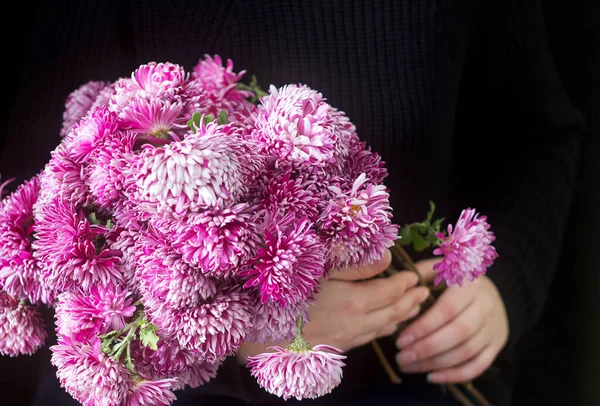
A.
pixel 435 377
pixel 424 296
pixel 405 340
pixel 407 357
pixel 414 311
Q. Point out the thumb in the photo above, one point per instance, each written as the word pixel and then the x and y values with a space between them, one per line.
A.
pixel 362 272
pixel 425 267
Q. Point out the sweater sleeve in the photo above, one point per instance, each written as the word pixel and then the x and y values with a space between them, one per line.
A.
pixel 517 149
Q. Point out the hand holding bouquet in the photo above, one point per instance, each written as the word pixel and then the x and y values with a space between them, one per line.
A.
pixel 185 213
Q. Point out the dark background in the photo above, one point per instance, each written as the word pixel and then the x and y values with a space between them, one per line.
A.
pixel 561 359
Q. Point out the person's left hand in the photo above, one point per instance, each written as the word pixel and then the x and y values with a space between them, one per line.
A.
pixel 459 337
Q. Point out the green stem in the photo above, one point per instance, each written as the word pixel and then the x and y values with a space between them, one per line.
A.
pixel 394 378
pixel 298 344
pixel 389 271
pixel 402 256
pixel 129 361
pixel 124 345
pixel 469 387
pixel 459 396
pixel 405 258
pixel 299 326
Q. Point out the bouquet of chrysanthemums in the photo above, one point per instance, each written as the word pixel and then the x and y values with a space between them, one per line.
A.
pixel 185 213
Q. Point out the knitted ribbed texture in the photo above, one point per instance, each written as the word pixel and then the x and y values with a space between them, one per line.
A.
pixel 461 100
pixel 527 157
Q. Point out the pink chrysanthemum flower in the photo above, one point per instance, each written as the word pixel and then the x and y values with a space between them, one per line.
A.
pixel 285 191
pixel 273 322
pixel 242 117
pixel 88 375
pixel 329 185
pixel 73 252
pixel 197 374
pixel 64 179
pixel 4 184
pixel 467 250
pixel 168 360
pixel 164 277
pixel 124 242
pixel 217 240
pixel 291 187
pixel 155 117
pixel 362 160
pixel 171 361
pixel 108 171
pixel 293 123
pixel 20 275
pixel 213 330
pixel 165 80
pixel 213 77
pixel 88 133
pixel 104 96
pixel 356 225
pixel 298 371
pixel 22 329
pixel 84 315
pixel 79 102
pixel 288 266
pixel 194 173
pixel 130 213
pixel 155 78
pixel 156 393
pixel 219 84
pixel 343 130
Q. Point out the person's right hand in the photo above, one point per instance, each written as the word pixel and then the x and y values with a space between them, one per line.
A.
pixel 350 310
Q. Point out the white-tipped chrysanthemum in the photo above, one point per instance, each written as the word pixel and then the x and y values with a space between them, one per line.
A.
pixel 298 371
pixel 194 173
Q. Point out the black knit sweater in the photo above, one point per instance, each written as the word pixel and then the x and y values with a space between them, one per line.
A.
pixel 459 97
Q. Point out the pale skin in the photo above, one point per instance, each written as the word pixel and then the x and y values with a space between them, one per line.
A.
pixel 459 337
pixel 454 341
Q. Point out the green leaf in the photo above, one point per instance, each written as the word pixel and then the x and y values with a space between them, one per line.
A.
pixel 222 119
pixel 431 211
pixel 438 224
pixel 195 120
pixel 405 234
pixel 256 87
pixel 110 335
pixel 128 360
pixel 420 243
pixel 106 346
pixel 93 219
pixel 432 239
pixel 208 119
pixel 148 335
pixel 243 86
pixel 253 87
pixel 421 227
